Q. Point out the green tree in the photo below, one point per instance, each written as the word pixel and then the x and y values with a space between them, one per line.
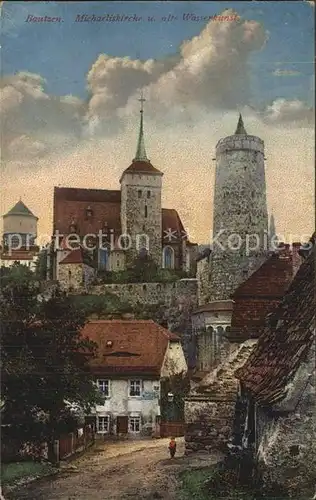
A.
pixel 41 265
pixel 143 270
pixel 45 360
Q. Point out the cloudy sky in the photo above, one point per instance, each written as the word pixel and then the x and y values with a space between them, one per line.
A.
pixel 69 108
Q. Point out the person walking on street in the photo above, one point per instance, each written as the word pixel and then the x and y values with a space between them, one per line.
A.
pixel 172 447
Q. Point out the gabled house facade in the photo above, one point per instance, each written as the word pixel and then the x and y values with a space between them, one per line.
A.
pixel 134 357
pixel 277 404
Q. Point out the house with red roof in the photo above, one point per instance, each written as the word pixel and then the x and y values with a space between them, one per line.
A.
pixel 226 333
pixel 116 226
pixel 276 419
pixel 133 359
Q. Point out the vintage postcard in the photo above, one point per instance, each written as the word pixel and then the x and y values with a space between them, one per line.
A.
pixel 157 256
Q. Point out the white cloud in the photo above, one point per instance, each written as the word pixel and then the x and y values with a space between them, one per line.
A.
pixel 30 117
pixel 293 112
pixel 210 70
pixel 286 72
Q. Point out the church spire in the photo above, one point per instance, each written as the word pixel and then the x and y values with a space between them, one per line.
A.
pixel 141 151
pixel 272 232
pixel 240 130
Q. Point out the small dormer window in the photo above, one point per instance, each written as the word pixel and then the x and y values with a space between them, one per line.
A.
pixel 89 212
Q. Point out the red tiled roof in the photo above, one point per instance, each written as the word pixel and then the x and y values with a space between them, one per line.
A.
pixel 285 343
pixel 70 205
pixel 259 295
pixel 74 257
pixel 90 195
pixel 270 280
pixel 128 346
pixel 105 206
pixel 171 220
pixel 19 254
pixel 142 167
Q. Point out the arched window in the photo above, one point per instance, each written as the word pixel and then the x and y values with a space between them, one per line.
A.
pixel 146 211
pixel 142 242
pixel 187 261
pixel 143 252
pixel 139 193
pixel 168 258
pixel 103 258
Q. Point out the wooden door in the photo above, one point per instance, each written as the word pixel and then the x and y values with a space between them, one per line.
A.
pixel 122 425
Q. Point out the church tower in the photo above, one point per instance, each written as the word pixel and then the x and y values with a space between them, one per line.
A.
pixel 141 215
pixel 240 220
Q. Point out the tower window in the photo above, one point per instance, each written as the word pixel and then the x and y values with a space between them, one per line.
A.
pixel 148 194
pixel 146 211
pixel 89 212
pixel 139 193
pixel 73 228
pixel 168 258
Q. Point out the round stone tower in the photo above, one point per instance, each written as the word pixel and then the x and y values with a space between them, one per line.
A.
pixel 20 226
pixel 240 221
pixel 141 214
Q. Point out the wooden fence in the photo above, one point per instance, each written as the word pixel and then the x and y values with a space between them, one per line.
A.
pixel 172 429
pixel 76 441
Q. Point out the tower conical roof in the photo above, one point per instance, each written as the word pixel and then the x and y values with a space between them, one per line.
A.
pixel 20 209
pixel 141 151
pixel 240 130
pixel 141 164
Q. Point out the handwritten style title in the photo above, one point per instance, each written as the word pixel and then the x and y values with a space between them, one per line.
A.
pixel 132 18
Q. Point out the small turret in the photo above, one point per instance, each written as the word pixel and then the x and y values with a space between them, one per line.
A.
pixel 240 130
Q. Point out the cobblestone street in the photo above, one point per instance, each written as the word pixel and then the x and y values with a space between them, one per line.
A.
pixel 123 470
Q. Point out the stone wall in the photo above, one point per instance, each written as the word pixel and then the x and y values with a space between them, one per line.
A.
pixel 210 407
pixel 70 276
pixel 208 424
pixel 142 293
pixel 182 291
pixel 240 208
pixel 203 277
pixel 287 443
pixel 75 276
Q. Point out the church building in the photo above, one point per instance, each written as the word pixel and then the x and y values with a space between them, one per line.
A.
pixel 119 225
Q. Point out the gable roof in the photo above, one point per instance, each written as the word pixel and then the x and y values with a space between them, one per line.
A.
pixel 171 220
pixel 285 343
pixel 20 209
pixel 270 280
pixel 128 346
pixel 74 257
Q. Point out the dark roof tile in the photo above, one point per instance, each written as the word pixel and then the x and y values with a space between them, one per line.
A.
pixel 286 341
